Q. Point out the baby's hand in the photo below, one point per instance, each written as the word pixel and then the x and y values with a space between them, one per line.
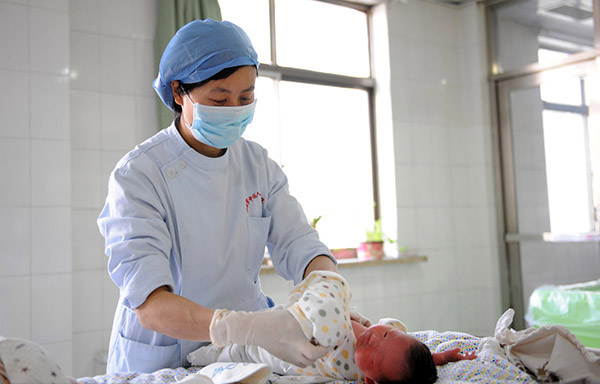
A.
pixel 441 358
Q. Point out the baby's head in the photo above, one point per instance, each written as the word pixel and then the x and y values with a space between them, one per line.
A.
pixel 385 354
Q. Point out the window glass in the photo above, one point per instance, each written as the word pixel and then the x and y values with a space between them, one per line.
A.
pixel 319 134
pixel 253 17
pixel 322 37
pixel 563 90
pixel 567 172
pixel 547 56
pixel 264 128
pixel 326 155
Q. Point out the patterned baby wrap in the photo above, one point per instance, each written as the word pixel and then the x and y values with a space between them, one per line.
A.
pixel 320 304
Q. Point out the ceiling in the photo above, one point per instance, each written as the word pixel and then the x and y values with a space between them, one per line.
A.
pixel 562 24
pixel 458 3
pixel 566 22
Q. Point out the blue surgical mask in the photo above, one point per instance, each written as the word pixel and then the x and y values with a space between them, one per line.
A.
pixel 218 126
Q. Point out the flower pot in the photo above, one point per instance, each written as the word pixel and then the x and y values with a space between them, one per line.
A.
pixel 370 250
pixel 344 253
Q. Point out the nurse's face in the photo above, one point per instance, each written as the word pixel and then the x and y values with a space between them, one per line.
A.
pixel 233 91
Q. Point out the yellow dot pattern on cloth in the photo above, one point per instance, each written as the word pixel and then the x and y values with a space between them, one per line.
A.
pixel 320 304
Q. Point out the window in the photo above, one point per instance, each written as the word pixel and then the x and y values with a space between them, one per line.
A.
pixel 568 154
pixel 313 112
pixel 342 48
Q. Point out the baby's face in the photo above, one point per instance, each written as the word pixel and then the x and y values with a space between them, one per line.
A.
pixel 380 351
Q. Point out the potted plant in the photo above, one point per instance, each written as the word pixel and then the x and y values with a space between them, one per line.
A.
pixel 338 253
pixel 372 248
pixel 314 222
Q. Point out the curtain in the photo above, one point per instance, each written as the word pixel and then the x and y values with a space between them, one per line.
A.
pixel 172 15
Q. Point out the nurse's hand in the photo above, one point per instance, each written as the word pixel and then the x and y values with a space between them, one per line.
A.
pixel 275 330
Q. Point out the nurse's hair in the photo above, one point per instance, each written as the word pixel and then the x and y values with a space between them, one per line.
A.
pixel 184 89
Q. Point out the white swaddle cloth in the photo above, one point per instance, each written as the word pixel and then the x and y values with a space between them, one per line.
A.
pixel 26 362
pixel 549 352
pixel 227 373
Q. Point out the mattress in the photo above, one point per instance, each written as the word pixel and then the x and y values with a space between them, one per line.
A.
pixel 487 368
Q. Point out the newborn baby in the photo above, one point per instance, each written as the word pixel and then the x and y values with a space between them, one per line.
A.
pixel 375 354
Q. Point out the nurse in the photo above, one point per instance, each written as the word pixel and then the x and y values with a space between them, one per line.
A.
pixel 190 210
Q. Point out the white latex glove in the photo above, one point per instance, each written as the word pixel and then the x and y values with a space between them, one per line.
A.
pixel 354 315
pixel 275 330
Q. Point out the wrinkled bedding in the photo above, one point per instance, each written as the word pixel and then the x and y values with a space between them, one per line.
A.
pixel 489 367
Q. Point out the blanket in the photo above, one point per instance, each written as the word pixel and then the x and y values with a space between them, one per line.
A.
pixel 550 353
pixel 490 366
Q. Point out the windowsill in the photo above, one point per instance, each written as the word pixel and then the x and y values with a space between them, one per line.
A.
pixel 571 237
pixel 354 262
pixel 549 237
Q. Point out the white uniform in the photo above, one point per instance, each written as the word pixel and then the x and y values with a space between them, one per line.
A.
pixel 198 225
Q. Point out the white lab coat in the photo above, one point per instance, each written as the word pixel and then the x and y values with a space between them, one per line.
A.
pixel 198 225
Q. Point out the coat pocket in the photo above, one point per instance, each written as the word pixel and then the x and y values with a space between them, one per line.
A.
pixel 134 356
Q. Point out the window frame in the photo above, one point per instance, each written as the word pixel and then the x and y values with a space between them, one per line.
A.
pixel 367 84
pixel 582 110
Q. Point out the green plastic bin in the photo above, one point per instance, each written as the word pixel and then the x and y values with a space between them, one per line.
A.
pixel 575 306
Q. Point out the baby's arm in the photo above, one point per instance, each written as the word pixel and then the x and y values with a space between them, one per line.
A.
pixel 236 353
pixel 232 353
pixel 453 355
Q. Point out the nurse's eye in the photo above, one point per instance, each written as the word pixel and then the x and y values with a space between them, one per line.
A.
pixel 246 99
pixel 220 101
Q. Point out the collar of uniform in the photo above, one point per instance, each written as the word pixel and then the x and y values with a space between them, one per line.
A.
pixel 191 156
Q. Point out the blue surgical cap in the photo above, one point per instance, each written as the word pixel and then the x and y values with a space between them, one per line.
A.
pixel 200 50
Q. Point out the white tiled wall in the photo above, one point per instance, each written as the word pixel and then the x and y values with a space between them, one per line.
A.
pixel 74 102
pixel 62 131
pixel 112 109
pixel 35 198
pixel 443 138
